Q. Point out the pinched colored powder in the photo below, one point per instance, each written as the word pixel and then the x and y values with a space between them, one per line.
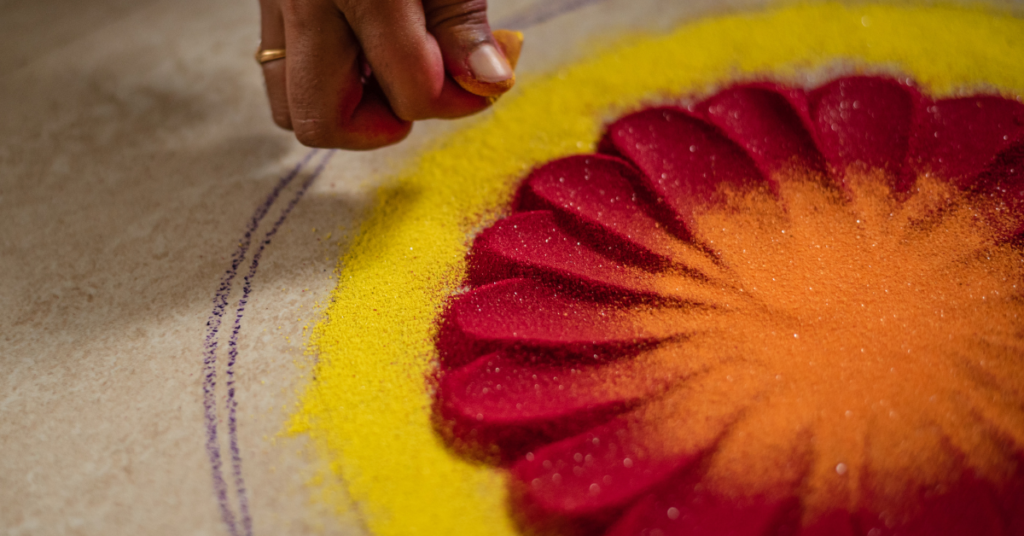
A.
pixel 369 407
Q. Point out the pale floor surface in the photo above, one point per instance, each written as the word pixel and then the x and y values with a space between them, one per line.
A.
pixel 135 145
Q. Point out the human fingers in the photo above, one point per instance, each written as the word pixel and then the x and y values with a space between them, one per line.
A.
pixel 328 103
pixel 272 37
pixel 407 59
pixel 482 62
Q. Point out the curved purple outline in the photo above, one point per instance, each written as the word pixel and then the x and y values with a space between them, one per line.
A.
pixel 231 403
pixel 220 302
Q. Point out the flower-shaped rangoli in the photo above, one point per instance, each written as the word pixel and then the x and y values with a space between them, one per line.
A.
pixel 775 311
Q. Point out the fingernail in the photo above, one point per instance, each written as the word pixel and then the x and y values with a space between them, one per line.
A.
pixel 511 43
pixel 488 65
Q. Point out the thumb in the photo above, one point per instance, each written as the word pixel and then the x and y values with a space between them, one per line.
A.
pixel 481 62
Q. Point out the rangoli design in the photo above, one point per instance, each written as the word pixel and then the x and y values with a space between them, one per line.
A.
pixel 789 307
pixel 774 311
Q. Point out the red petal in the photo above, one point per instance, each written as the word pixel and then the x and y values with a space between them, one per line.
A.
pixel 864 121
pixel 531 244
pixel 684 160
pixel 595 472
pixel 513 390
pixel 770 122
pixel 835 523
pixel 543 398
pixel 1010 498
pixel 596 193
pixel 894 504
pixel 1002 185
pixel 659 438
pixel 686 507
pixel 967 509
pixel 521 312
pixel 957 139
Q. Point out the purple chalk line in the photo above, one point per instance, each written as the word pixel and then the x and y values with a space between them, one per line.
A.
pixel 220 302
pixel 232 404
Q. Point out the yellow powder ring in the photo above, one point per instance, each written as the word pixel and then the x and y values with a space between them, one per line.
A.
pixel 369 409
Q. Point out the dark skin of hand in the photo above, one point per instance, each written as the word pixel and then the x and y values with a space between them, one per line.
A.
pixel 359 72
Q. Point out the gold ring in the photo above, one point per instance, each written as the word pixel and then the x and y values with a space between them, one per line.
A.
pixel 270 54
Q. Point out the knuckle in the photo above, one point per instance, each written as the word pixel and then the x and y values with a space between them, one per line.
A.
pixel 442 14
pixel 313 133
pixel 367 138
pixel 365 141
pixel 368 144
pixel 411 111
pixel 282 120
pixel 390 138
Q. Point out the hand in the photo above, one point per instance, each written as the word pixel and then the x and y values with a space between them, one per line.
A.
pixel 359 72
